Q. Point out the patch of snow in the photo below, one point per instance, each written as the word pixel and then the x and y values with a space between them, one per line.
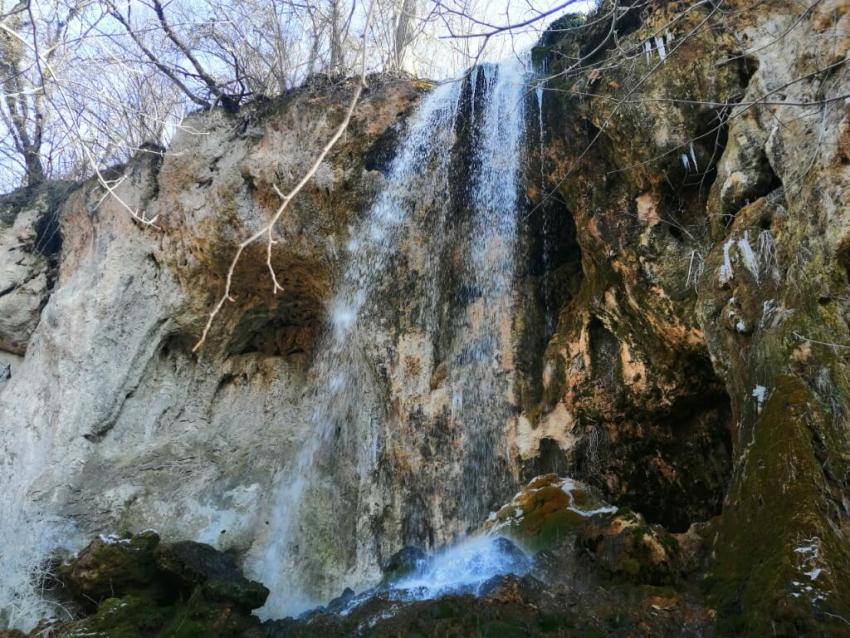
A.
pixel 813 574
pixel 568 485
pixel 809 553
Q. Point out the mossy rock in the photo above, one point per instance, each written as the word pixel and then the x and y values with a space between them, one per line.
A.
pixel 199 617
pixel 403 562
pixel 625 546
pixel 546 511
pixel 778 557
pixel 111 567
pixel 214 572
pixel 127 617
pixel 135 587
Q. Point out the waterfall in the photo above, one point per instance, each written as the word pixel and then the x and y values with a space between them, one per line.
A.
pixel 337 367
pixel 299 541
pixel 482 360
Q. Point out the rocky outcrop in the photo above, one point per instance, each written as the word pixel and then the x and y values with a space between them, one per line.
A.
pixel 129 429
pixel 30 241
pixel 678 340
pixel 702 162
pixel 137 586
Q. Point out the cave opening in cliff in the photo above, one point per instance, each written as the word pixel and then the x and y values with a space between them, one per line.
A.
pixel 669 460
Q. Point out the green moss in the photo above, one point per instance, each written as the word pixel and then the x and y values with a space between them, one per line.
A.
pixel 546 520
pixel 503 629
pixel 128 617
pixel 197 618
pixel 774 508
pixel 551 623
pixel 447 608
pixel 670 543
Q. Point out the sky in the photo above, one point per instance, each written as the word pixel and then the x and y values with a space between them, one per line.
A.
pixel 442 56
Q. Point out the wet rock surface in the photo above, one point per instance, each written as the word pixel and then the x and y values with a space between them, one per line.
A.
pixel 679 348
pixel 603 573
pixel 694 360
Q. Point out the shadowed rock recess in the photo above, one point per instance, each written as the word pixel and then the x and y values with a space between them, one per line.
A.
pixel 592 379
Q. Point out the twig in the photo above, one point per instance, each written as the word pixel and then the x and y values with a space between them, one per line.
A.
pixel 267 229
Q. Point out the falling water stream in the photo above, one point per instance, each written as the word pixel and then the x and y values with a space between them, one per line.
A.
pixel 478 360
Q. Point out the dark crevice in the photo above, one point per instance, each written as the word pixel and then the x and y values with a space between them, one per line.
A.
pixel 673 468
pixel 380 155
pixel 550 459
pixel 286 329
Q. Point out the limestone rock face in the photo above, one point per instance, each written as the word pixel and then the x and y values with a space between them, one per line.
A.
pixel 708 181
pixel 111 420
pixel 677 344
pixel 30 240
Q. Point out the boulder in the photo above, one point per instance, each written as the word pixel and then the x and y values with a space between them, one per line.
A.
pixel 626 546
pixel 214 572
pixel 546 511
pixel 111 566
pixel 135 587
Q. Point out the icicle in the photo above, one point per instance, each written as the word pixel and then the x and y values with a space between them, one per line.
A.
pixel 694 158
pixel 749 256
pixel 647 47
pixel 767 254
pixel 726 272
pixel 662 50
pixel 695 269
pixel 759 394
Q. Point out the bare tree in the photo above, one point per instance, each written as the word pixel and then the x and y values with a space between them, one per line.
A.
pixel 24 85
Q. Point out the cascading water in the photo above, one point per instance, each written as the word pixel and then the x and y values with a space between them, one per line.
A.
pixel 482 358
pixel 478 357
pixel 338 368
pixel 460 569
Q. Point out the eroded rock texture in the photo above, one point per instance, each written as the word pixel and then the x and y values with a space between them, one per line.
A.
pixel 117 423
pixel 678 340
pixel 709 188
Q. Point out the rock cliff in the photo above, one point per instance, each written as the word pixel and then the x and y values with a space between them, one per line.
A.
pixel 676 334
